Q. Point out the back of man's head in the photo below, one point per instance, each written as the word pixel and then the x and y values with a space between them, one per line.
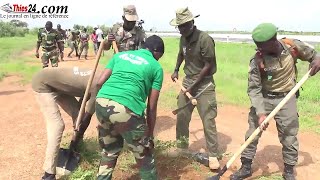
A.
pixel 154 43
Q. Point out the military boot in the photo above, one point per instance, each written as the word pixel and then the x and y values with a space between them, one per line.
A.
pixel 244 171
pixel 48 176
pixel 288 173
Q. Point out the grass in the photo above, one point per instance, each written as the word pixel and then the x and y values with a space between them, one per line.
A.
pixel 12 59
pixel 231 87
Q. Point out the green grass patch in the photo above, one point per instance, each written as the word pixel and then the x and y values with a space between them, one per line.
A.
pixel 12 60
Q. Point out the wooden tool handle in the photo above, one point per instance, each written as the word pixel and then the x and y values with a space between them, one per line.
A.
pixel 269 117
pixel 115 47
pixel 193 101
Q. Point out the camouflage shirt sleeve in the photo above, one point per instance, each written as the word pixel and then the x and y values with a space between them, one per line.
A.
pixel 255 88
pixel 58 37
pixel 39 35
pixel 305 51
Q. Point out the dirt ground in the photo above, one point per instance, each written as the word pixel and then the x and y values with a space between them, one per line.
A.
pixel 23 136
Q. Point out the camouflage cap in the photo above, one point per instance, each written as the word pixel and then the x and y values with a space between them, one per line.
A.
pixel 263 32
pixel 183 15
pixel 130 13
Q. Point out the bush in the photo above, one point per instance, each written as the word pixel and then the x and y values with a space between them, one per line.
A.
pixel 10 29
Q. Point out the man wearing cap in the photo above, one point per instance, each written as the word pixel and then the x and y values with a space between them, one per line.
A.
pixel 127 35
pixel 64 37
pixel 272 75
pixel 61 86
pixel 129 79
pixel 50 39
pixel 197 49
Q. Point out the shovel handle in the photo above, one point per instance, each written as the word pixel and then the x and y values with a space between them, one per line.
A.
pixel 83 103
pixel 115 47
pixel 258 130
pixel 193 101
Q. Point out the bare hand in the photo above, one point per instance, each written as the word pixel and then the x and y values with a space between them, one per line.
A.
pixel 314 66
pixel 263 126
pixel 174 76
pixel 111 37
pixel 37 54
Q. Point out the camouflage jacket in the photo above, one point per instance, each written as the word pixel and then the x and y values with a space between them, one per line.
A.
pixel 49 40
pixel 84 37
pixel 276 74
pixel 63 34
pixel 127 40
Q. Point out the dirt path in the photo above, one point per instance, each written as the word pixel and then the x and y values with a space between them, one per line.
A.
pixel 23 136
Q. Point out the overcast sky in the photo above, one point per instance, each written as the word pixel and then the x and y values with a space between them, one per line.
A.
pixel 295 15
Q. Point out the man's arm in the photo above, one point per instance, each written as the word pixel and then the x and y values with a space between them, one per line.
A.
pixel 152 110
pixel 103 78
pixel 180 59
pixel 38 44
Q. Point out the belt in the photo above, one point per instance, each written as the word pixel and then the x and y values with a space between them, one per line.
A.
pixel 272 95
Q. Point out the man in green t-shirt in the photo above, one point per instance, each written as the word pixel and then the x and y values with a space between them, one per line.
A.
pixel 61 86
pixel 127 81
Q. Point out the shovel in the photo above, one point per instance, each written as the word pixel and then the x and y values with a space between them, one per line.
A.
pixel 258 130
pixel 68 159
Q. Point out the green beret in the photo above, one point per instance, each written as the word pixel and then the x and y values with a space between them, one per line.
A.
pixel 263 32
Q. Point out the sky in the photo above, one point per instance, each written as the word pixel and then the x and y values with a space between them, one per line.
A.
pixel 292 15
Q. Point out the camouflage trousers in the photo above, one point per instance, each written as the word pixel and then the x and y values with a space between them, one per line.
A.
pixel 207 109
pixel 84 47
pixel 48 103
pixel 287 125
pixel 116 125
pixel 52 56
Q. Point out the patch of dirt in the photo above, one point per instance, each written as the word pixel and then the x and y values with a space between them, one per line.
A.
pixel 23 141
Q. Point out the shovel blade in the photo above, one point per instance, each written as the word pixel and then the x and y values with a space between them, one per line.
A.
pixel 68 161
pixel 216 177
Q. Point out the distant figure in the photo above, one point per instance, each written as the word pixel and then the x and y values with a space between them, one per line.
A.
pixel 50 40
pixel 94 42
pixel 84 43
pixel 100 36
pixel 73 42
pixel 64 37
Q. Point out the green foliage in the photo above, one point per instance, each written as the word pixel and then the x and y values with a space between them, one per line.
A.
pixel 13 28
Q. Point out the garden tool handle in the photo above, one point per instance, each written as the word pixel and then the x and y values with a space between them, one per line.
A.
pixel 115 47
pixel 193 101
pixel 269 117
pixel 83 103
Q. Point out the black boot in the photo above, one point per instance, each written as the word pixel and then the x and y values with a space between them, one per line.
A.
pixel 244 171
pixel 48 176
pixel 288 173
pixel 85 57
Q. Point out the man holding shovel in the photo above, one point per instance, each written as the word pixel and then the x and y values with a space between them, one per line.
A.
pixel 197 48
pixel 272 75
pixel 60 86
pixel 127 35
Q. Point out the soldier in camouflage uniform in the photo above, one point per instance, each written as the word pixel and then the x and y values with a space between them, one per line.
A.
pixel 73 42
pixel 197 49
pixel 50 40
pixel 64 37
pixel 128 80
pixel 127 35
pixel 272 75
pixel 84 43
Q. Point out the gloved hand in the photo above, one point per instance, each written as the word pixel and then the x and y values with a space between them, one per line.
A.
pixel 111 37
